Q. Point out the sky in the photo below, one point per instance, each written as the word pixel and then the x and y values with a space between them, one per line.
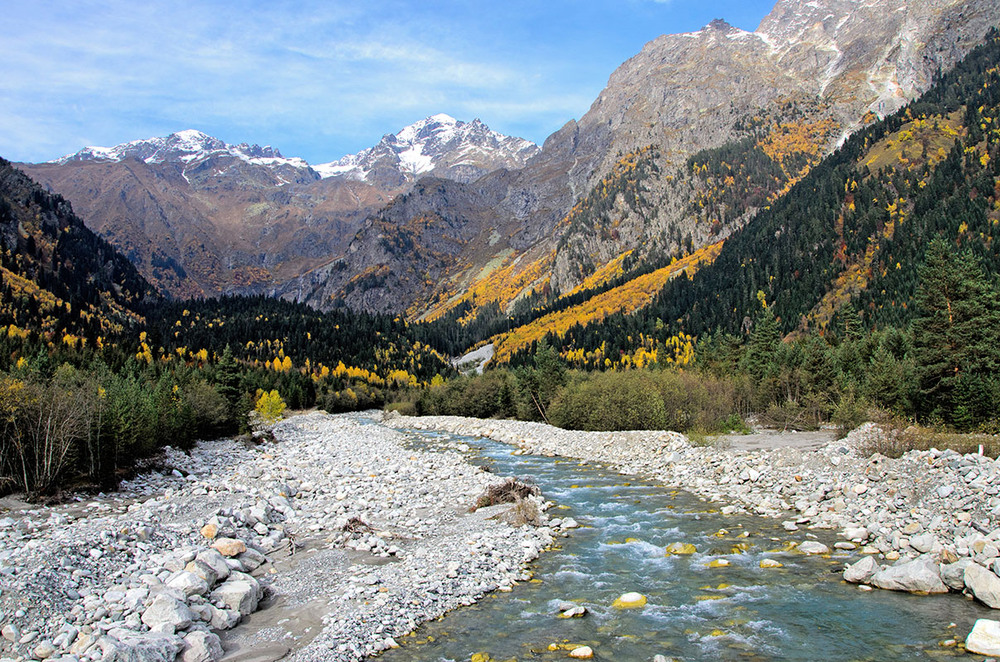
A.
pixel 317 79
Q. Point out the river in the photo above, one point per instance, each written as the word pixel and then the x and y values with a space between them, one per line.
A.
pixel 696 610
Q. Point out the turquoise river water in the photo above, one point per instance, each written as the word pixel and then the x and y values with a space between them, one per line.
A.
pixel 802 611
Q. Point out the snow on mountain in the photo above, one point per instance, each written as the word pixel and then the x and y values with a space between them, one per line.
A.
pixel 440 144
pixel 186 146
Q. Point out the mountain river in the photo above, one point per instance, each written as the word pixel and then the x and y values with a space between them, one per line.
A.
pixel 802 611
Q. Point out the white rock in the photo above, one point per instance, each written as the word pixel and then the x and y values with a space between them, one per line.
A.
pixel 813 547
pixel 984 638
pixel 238 595
pixel 984 585
pixel 189 583
pixel 923 543
pixel 919 575
pixel 856 534
pixel 862 571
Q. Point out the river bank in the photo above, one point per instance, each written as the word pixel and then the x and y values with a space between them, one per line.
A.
pixel 346 535
pixel 921 519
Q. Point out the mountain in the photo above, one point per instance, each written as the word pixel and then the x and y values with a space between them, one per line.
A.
pixel 846 242
pixel 203 160
pixel 200 217
pixel 688 140
pixel 60 280
pixel 440 146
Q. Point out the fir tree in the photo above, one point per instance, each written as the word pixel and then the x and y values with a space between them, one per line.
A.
pixel 956 336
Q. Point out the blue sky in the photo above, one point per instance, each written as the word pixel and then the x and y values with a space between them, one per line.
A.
pixel 317 79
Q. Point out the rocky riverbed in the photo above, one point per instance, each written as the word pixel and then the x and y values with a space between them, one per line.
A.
pixel 329 544
pixel 925 522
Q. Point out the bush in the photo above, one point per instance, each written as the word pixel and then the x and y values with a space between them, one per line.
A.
pixel 850 412
pixel 699 401
pixel 42 426
pixel 610 401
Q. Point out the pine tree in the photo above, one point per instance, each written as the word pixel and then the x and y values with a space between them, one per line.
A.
pixel 764 341
pixel 956 337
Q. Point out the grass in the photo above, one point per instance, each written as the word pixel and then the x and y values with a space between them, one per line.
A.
pixel 899 437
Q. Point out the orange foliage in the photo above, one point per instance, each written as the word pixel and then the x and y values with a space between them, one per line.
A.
pixel 628 297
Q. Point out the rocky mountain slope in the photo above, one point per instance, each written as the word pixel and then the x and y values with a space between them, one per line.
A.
pixel 634 172
pixel 60 281
pixel 200 217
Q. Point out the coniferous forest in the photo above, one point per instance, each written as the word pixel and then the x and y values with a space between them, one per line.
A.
pixel 868 289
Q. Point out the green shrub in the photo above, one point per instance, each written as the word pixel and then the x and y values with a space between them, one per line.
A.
pixel 610 401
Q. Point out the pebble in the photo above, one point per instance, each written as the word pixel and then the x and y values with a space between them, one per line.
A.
pixel 169 554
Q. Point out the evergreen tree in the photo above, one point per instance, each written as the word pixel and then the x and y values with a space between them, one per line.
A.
pixel 956 336
pixel 764 341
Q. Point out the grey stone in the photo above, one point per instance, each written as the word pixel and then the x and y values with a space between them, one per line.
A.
pixel 216 561
pixel 920 575
pixel 252 559
pixel 189 583
pixel 223 619
pixel 202 647
pixel 238 594
pixel 203 570
pixel 953 574
pixel 141 647
pixel 167 610
pixel 984 585
pixel 862 571
pixel 923 543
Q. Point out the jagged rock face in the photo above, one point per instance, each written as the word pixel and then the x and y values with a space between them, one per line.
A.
pixel 440 146
pixel 826 60
pixel 200 217
pixel 680 92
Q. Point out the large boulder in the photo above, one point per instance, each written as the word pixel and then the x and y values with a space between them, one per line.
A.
pixel 984 638
pixel 953 574
pixel 983 584
pixel 917 576
pixel 862 571
pixel 202 647
pixel 204 571
pixel 167 610
pixel 141 647
pixel 240 592
pixel 188 582
pixel 216 561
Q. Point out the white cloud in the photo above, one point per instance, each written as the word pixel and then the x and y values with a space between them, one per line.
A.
pixel 315 78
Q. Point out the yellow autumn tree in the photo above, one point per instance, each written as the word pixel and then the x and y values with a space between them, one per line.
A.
pixel 270 407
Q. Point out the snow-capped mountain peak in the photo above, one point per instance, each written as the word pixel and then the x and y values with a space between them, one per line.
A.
pixel 187 146
pixel 440 144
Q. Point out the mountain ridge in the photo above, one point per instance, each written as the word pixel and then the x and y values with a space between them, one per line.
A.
pixel 201 217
